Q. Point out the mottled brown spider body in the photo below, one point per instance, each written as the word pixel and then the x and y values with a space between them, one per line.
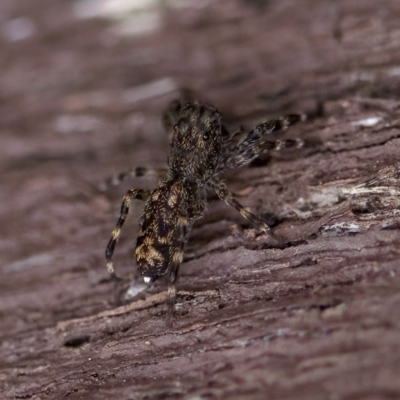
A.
pixel 167 219
pixel 201 148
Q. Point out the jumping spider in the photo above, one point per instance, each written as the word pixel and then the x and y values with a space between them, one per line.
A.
pixel 201 149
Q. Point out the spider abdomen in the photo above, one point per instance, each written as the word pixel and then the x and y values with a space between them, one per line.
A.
pixel 165 226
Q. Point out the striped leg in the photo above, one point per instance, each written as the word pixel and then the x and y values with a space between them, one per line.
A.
pixel 137 172
pixel 171 117
pixel 172 292
pixel 130 195
pixel 225 195
pixel 174 269
pixel 247 147
pixel 172 113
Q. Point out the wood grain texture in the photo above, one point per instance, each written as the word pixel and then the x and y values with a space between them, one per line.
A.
pixel 318 319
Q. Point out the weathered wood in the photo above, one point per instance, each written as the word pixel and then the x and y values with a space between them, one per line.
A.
pixel 316 319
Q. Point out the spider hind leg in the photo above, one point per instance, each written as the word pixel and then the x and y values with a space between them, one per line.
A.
pixel 129 196
pixel 225 195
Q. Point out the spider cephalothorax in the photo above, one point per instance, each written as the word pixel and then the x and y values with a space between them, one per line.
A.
pixel 196 144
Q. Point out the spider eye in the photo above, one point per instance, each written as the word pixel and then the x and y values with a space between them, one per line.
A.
pixel 206 136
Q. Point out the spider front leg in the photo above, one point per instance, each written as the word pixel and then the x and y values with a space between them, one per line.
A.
pixel 130 195
pixel 172 113
pixel 171 116
pixel 225 195
pixel 242 147
pixel 134 173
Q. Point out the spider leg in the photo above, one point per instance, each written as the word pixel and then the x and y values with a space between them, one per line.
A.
pixel 171 116
pixel 172 113
pixel 172 293
pixel 244 148
pixel 225 195
pixel 174 269
pixel 134 173
pixel 129 196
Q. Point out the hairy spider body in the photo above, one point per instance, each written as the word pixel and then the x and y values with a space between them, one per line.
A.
pixel 201 148
pixel 167 220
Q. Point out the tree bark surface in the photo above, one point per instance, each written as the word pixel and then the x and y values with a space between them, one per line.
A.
pixel 81 100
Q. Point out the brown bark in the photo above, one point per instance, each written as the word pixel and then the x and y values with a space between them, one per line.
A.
pixel 318 318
